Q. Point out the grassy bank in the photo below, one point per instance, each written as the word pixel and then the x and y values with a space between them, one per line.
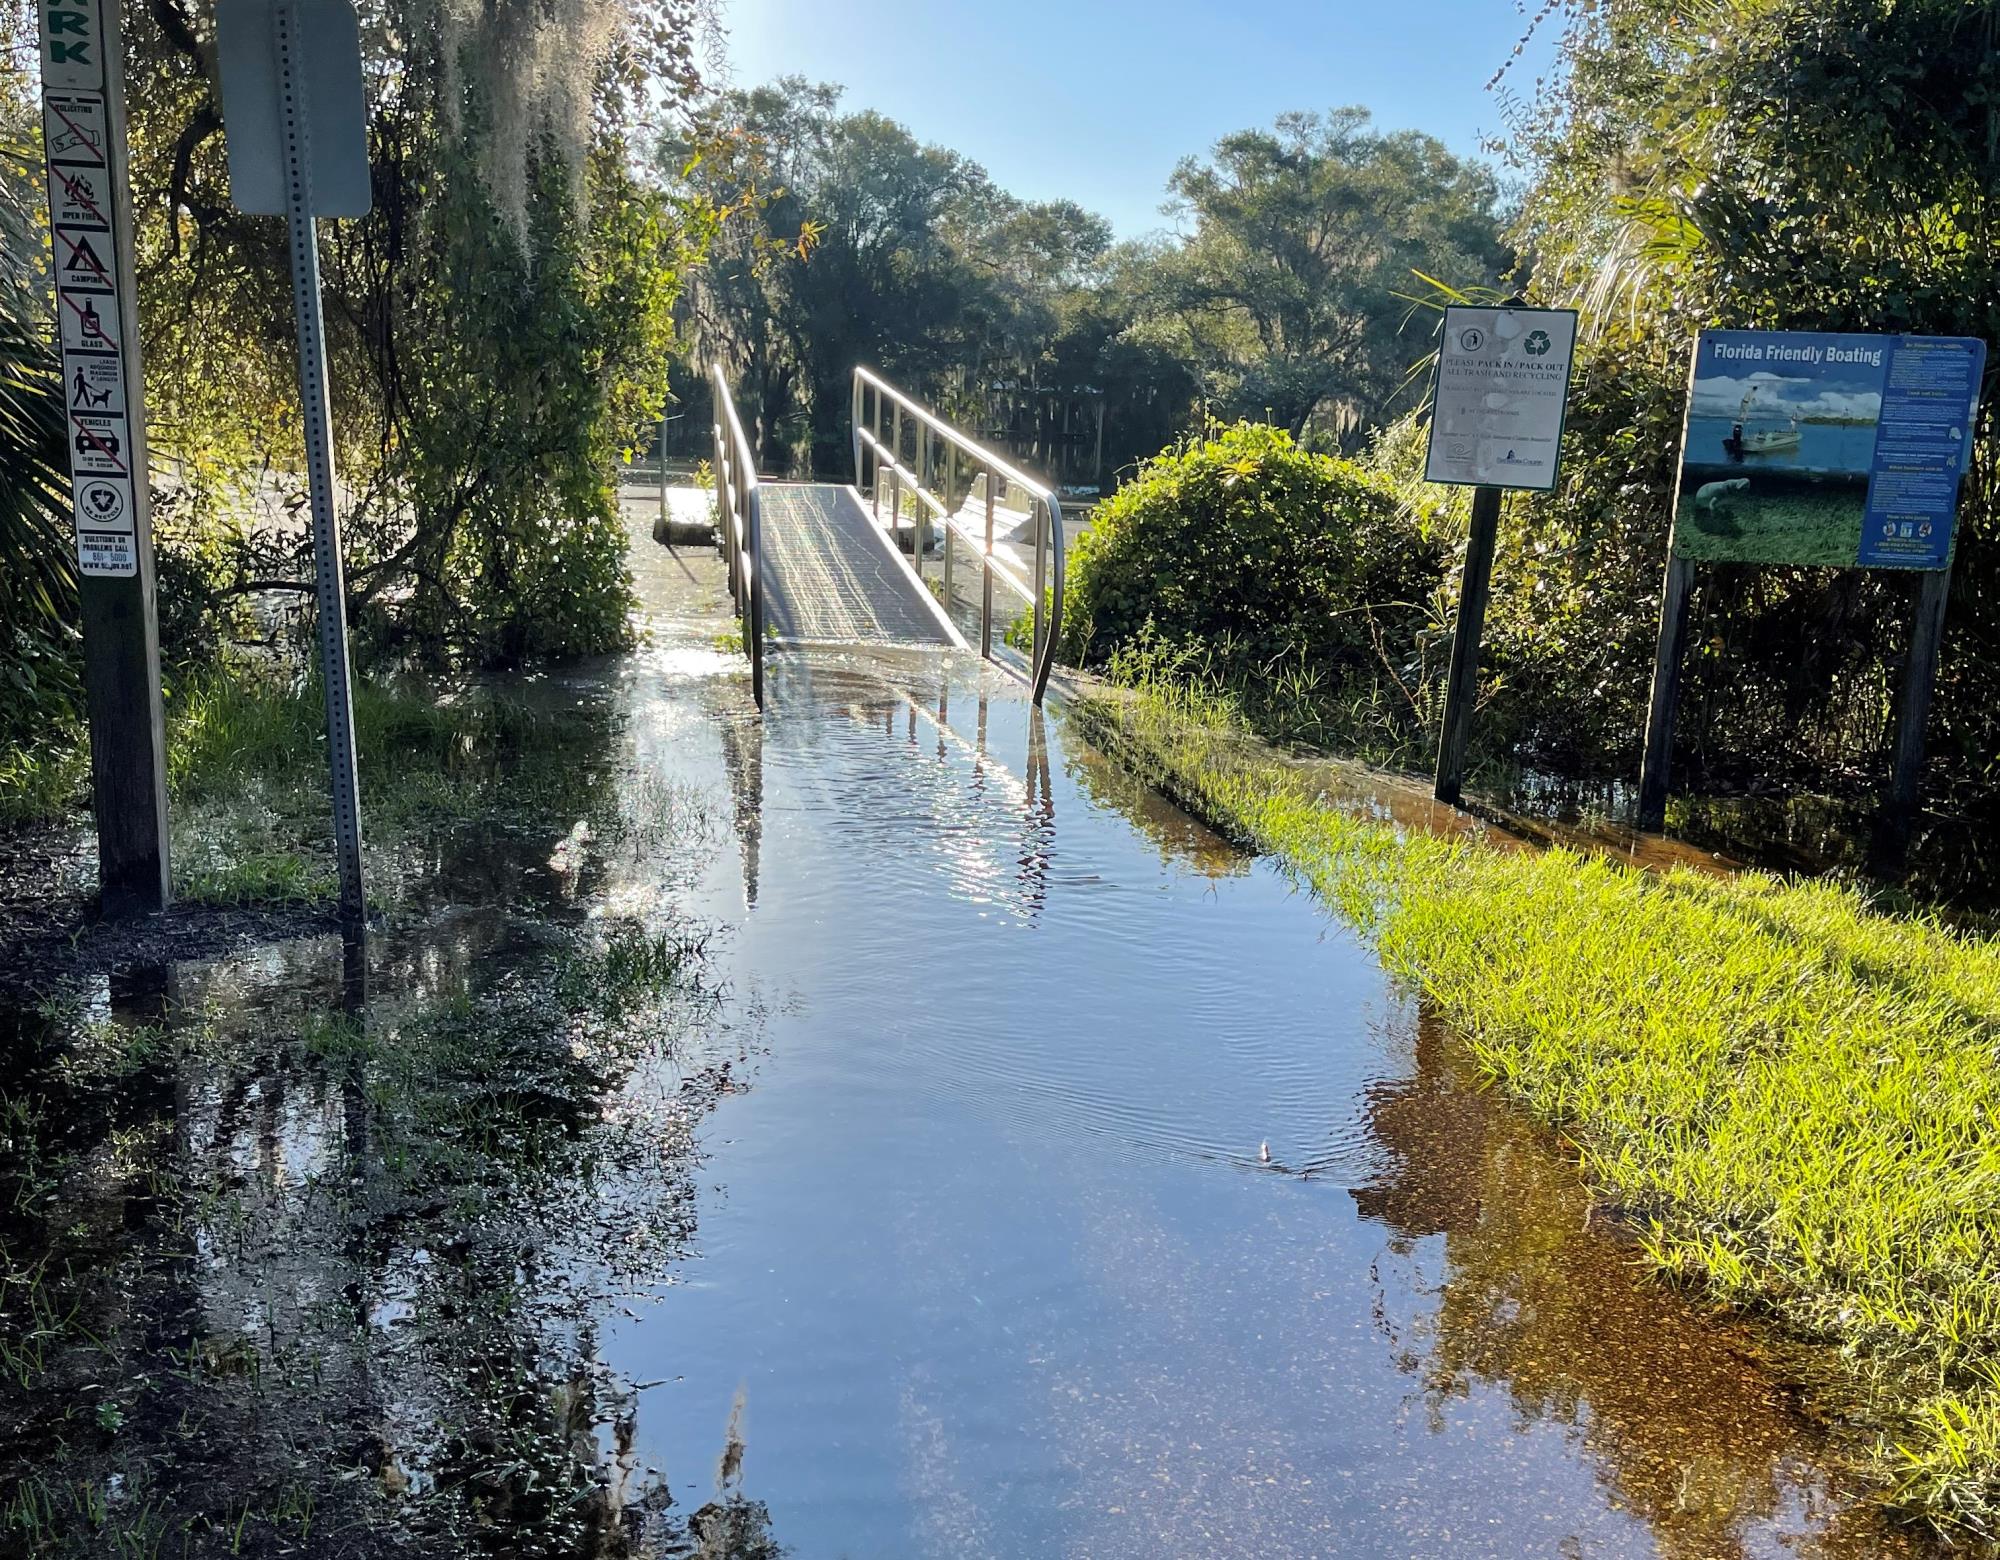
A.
pixel 246 777
pixel 1791 1097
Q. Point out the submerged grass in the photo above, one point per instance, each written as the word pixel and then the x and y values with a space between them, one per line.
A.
pixel 1791 1096
pixel 410 1217
pixel 246 774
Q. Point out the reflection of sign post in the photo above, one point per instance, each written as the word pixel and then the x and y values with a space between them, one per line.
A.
pixel 1838 450
pixel 294 122
pixel 90 221
pixel 1496 422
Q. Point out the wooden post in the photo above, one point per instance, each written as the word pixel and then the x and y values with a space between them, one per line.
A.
pixel 1659 755
pixel 90 217
pixel 1913 707
pixel 1461 691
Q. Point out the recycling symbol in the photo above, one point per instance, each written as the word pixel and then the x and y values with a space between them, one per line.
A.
pixel 1537 344
pixel 103 502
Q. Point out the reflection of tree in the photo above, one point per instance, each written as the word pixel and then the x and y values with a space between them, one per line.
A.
pixel 317 1276
pixel 732 1526
pixel 1179 838
pixel 1689 1433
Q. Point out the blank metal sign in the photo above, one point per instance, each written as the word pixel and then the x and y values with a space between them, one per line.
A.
pixel 329 56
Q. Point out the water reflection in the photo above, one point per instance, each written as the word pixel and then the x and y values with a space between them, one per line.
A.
pixel 1503 1276
pixel 743 760
pixel 349 1266
pixel 991 822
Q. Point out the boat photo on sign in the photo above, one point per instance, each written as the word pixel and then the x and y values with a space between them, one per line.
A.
pixel 1842 450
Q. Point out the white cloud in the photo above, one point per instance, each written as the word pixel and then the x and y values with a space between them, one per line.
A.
pixel 1721 395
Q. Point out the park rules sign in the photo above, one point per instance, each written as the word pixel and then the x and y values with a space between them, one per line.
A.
pixel 1813 448
pixel 92 278
pixel 1502 387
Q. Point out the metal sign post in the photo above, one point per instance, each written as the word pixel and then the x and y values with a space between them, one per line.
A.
pixel 294 119
pixel 90 220
pixel 1496 423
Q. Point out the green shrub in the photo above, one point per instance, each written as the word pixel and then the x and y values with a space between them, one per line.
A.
pixel 1253 551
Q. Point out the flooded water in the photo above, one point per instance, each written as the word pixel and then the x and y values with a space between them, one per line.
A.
pixel 991 1260
pixel 1030 1173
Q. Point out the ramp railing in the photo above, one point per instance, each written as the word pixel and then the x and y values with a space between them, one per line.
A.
pixel 930 490
pixel 739 525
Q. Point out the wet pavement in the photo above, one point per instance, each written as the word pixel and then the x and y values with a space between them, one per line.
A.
pixel 1026 1171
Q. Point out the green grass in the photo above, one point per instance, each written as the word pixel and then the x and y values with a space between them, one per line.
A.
pixel 246 776
pixel 45 780
pixel 1791 1098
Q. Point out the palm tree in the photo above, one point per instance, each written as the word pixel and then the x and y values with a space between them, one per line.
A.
pixel 38 606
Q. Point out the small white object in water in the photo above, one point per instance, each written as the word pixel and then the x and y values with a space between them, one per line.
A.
pixel 568 855
pixel 1263 1153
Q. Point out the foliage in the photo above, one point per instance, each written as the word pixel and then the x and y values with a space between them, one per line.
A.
pixel 1759 163
pixel 497 325
pixel 1268 561
pixel 38 649
pixel 1788 1095
pixel 875 249
pixel 1306 237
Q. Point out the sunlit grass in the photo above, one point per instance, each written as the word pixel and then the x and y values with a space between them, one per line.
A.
pixel 247 776
pixel 46 778
pixel 1791 1096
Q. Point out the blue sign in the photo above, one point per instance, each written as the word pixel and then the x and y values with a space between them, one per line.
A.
pixel 1812 448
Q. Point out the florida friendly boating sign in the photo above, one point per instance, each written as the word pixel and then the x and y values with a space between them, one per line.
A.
pixel 1810 448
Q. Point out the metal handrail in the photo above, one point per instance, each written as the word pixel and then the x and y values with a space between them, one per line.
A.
pixel 740 524
pixel 1046 593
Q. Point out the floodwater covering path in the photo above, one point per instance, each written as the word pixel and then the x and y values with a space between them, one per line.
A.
pixel 841 1132
pixel 989 1259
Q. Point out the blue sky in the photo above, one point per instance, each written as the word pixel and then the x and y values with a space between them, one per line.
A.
pixel 1097 99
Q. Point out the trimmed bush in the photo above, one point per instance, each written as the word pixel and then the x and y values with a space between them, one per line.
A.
pixel 1257 554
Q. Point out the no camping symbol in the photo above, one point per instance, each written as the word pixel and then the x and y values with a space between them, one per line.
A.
pixel 81 260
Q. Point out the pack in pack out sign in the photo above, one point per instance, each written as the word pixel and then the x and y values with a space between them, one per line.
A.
pixel 74 125
pixel 80 198
pixel 107 553
pixel 97 445
pixel 104 504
